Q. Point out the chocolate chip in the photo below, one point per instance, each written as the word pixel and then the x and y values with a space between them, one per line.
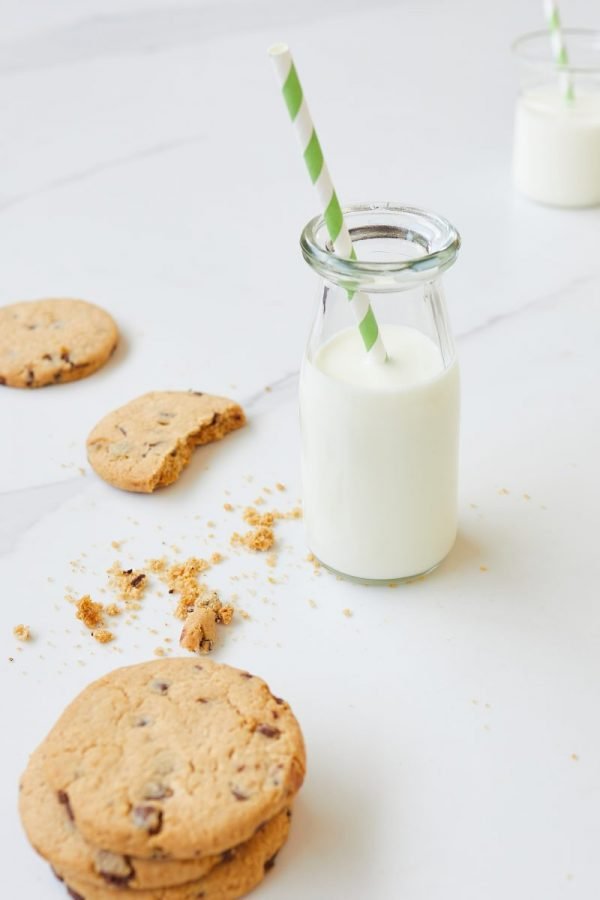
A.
pixel 270 863
pixel 198 393
pixel 227 856
pixel 246 675
pixel 2 379
pixel 197 666
pixel 116 880
pixel 122 430
pixel 201 700
pixel 200 895
pixel 47 356
pixel 114 869
pixel 159 687
pixel 64 355
pixel 138 580
pixel 56 875
pixel 63 798
pixel 156 791
pixel 268 730
pixel 74 894
pixel 278 700
pixel 147 817
pixel 143 721
pixel 30 377
pixel 239 795
pixel 127 571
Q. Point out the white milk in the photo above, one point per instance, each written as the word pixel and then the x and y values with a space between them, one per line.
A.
pixel 380 455
pixel 557 147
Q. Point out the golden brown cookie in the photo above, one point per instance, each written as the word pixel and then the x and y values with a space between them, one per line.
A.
pixel 146 443
pixel 52 833
pixel 174 757
pixel 226 881
pixel 53 341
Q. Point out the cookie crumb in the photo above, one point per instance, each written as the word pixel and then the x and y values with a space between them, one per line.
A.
pixel 116 545
pixel 483 568
pixel 160 651
pixel 311 558
pixel 89 612
pixel 256 519
pixel 258 540
pixel 113 610
pixel 503 491
pixel 103 636
pixel 312 603
pixel 228 507
pixel 280 486
pixel 128 584
pixel 22 632
pixel 574 757
pixel 216 558
pixel 526 497
pixel 272 560
pixel 347 612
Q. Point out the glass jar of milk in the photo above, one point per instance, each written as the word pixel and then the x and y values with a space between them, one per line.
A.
pixel 557 121
pixel 380 441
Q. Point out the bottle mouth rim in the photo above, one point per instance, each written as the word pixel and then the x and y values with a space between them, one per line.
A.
pixel 437 238
pixel 523 49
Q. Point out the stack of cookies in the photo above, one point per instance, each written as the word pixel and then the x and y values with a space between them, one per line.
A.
pixel 168 780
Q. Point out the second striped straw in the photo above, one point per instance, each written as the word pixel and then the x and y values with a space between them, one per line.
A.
pixel 559 49
pixel 321 179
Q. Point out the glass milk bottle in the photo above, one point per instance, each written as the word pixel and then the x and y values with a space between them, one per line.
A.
pixel 380 441
pixel 557 121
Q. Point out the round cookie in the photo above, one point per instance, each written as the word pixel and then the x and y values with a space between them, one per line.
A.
pixel 146 443
pixel 174 758
pixel 52 833
pixel 227 881
pixel 53 341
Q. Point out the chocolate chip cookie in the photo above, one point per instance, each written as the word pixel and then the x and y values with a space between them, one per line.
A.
pixel 146 443
pixel 50 827
pixel 53 341
pixel 174 758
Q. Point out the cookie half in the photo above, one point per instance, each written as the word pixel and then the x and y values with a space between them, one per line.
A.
pixel 174 758
pixel 53 341
pixel 146 443
pixel 49 825
pixel 227 881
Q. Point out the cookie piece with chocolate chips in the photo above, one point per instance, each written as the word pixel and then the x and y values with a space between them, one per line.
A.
pixel 145 444
pixel 53 341
pixel 174 757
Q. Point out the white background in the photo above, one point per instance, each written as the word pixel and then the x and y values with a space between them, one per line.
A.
pixel 147 164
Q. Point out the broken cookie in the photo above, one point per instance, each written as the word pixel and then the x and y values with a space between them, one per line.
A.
pixel 146 443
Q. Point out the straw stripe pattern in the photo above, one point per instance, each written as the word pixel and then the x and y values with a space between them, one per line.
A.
pixel 321 179
pixel 559 48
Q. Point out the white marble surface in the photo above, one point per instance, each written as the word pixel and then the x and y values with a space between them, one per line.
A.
pixel 146 163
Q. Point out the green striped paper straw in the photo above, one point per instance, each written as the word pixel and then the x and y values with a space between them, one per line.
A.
pixel 321 179
pixel 559 48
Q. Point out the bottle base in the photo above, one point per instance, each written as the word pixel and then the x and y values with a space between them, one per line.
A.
pixel 378 582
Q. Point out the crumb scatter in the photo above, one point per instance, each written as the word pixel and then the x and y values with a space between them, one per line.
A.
pixel 22 632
